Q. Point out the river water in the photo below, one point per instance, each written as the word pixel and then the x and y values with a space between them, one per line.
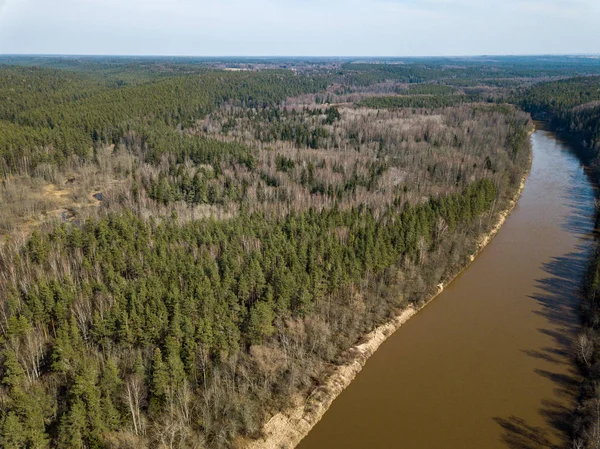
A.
pixel 486 365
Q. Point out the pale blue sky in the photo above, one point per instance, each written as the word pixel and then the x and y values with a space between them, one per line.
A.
pixel 300 27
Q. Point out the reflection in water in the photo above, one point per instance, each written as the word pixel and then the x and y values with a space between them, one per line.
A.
pixel 488 364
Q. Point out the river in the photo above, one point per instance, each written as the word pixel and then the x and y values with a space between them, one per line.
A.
pixel 486 364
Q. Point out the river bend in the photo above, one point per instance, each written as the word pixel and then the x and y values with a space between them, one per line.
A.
pixel 485 365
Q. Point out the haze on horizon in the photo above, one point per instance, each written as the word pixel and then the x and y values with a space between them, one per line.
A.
pixel 299 27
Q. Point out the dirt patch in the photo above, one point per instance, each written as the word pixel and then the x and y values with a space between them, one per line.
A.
pixel 28 203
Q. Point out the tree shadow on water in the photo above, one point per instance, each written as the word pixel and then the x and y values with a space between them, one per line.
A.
pixel 558 294
pixel 520 435
pixel 517 433
pixel 579 199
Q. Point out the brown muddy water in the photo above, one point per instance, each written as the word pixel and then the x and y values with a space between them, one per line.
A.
pixel 486 365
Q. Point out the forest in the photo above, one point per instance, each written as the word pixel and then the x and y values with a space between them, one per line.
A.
pixel 188 243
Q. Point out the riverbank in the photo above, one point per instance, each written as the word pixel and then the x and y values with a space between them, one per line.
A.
pixel 286 429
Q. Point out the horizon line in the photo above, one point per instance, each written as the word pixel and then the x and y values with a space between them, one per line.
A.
pixel 482 55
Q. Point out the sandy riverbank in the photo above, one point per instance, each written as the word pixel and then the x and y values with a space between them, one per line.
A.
pixel 286 429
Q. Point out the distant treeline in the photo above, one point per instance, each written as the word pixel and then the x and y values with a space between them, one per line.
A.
pixel 468 71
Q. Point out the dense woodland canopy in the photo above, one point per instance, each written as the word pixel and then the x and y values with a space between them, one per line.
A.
pixel 570 105
pixel 247 228
pixel 60 129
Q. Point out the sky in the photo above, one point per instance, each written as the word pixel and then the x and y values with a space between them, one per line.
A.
pixel 300 27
